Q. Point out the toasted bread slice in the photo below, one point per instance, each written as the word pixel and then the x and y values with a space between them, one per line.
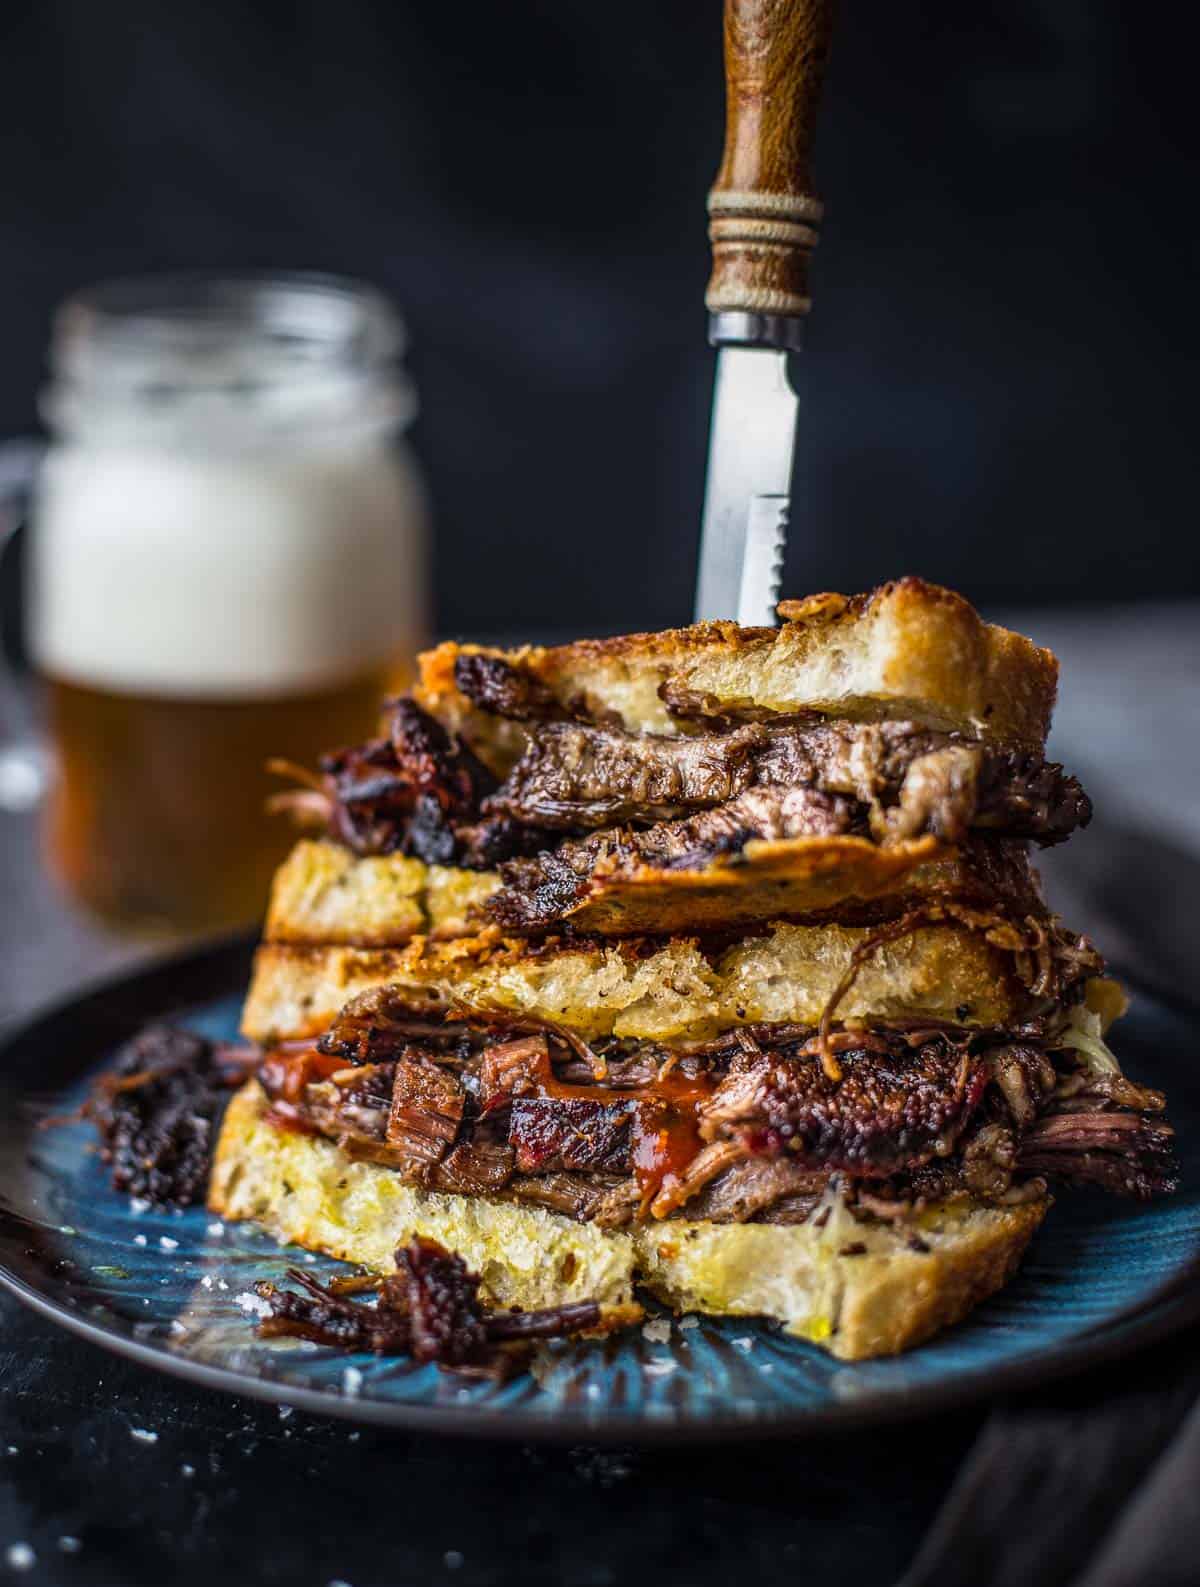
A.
pixel 858 1290
pixel 649 989
pixel 907 650
pixel 323 893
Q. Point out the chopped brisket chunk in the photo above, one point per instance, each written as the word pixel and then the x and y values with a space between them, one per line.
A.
pixel 368 802
pixel 550 1133
pixel 751 1185
pixel 475 1168
pixel 442 1301
pixel 578 1196
pixel 511 1068
pixel 426 1109
pixel 499 688
pixel 886 1113
pixel 420 792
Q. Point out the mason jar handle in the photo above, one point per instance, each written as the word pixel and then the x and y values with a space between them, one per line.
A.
pixel 24 762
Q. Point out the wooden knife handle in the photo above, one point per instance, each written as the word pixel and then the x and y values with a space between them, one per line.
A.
pixel 764 214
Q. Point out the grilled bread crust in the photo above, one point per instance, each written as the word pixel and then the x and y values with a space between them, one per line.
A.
pixel 669 991
pixel 882 1297
pixel 906 650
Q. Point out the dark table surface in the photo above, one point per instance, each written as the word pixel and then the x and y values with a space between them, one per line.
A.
pixel 231 1489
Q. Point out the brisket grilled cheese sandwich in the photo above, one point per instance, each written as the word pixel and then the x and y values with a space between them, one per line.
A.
pixel 710 961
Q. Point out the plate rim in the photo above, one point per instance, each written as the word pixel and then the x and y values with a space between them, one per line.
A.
pixel 214 966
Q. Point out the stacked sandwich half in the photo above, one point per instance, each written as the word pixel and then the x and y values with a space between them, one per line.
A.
pixel 710 961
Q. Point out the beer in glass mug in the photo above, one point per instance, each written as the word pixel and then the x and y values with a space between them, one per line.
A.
pixel 227 564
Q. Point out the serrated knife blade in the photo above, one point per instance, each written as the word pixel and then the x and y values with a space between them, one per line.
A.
pixel 750 456
pixel 762 565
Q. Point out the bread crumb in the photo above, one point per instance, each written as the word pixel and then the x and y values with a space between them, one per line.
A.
pixel 352 1382
pixel 657 1330
pixel 690 1321
pixel 143 1435
pixel 20 1556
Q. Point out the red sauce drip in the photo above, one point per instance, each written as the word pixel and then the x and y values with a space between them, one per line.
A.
pixel 663 1117
pixel 285 1074
pixel 665 1129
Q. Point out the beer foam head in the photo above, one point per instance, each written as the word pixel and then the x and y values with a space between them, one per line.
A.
pixel 225 574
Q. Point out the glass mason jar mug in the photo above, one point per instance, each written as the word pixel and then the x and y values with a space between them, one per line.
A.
pixel 228 563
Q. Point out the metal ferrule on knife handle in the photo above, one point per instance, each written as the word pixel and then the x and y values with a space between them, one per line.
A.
pixel 763 212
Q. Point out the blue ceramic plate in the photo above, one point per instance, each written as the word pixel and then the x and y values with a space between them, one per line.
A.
pixel 176 1290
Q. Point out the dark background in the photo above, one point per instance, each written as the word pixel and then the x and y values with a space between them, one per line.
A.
pixel 999 387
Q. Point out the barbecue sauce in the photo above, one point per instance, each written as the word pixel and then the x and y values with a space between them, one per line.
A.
pixel 664 1132
pixel 284 1074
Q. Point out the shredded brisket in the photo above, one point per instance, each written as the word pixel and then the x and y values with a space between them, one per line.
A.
pixel 500 689
pixel 574 776
pixel 684 800
pixel 538 892
pixel 429 1309
pixel 1125 1153
pixel 419 791
pixel 911 779
pixel 750 1125
pixel 158 1112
